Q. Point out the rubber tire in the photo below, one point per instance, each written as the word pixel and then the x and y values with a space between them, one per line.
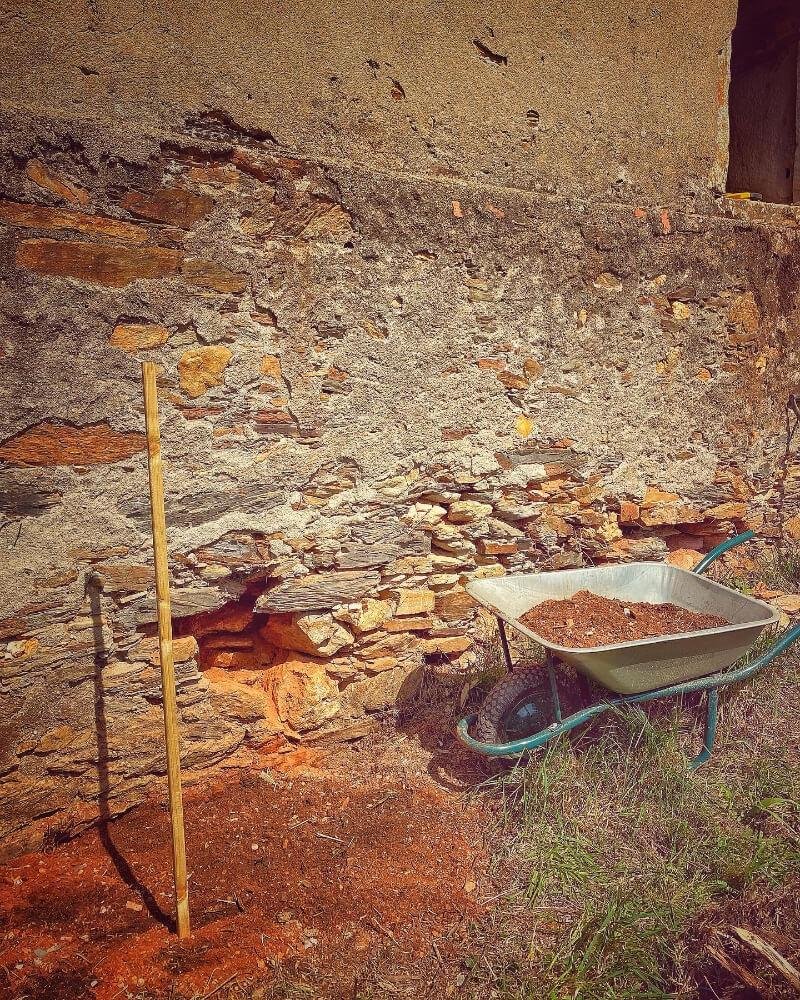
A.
pixel 502 697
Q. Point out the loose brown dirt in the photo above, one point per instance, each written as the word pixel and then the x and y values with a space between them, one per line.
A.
pixel 316 874
pixel 587 620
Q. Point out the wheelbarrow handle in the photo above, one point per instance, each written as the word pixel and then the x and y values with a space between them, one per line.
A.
pixel 723 547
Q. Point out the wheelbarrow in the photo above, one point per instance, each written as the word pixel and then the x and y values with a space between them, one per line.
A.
pixel 513 719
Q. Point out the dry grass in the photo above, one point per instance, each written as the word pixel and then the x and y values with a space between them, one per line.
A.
pixel 617 868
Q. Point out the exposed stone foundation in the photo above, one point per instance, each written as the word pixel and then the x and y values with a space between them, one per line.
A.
pixel 374 388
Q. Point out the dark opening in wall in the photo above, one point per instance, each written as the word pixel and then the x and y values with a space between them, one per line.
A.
pixel 763 100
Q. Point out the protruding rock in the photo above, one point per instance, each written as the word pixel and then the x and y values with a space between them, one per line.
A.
pixel 305 697
pixel 655 497
pixel 314 634
pixel 628 512
pixel 454 605
pixel 372 615
pixel 727 511
pixel 670 513
pixel 387 687
pixel 466 511
pixel 240 701
pixel 318 592
pixel 415 602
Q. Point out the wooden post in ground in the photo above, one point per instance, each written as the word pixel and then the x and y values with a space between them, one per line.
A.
pixel 165 646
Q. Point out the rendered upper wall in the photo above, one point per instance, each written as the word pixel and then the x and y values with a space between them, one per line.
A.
pixel 591 97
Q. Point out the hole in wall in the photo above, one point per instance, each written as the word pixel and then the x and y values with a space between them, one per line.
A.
pixel 762 100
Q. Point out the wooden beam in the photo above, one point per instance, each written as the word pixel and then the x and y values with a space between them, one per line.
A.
pixel 165 646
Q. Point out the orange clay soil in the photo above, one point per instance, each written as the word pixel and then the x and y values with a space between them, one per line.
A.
pixel 318 876
pixel 587 620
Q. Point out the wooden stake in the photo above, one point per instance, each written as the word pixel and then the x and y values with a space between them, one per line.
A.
pixel 165 646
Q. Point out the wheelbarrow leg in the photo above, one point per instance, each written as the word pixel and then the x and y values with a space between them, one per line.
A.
pixel 550 662
pixel 711 730
pixel 501 627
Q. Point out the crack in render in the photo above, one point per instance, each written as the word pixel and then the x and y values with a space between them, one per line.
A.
pixel 488 54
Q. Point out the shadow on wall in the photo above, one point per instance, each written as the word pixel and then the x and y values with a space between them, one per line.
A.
pixel 125 871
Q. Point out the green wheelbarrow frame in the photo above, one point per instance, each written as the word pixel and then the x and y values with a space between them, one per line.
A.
pixel 710 683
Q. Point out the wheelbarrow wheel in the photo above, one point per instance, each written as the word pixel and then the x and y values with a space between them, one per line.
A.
pixel 519 705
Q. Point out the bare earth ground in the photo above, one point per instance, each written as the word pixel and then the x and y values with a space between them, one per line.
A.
pixel 313 876
pixel 402 866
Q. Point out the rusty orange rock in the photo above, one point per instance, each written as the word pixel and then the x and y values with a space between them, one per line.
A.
pixel 215 277
pixel 314 634
pixel 669 514
pixel 48 180
pixel 628 512
pixel 231 659
pixel 744 313
pixel 454 605
pixel 305 697
pixel 790 603
pixel 112 266
pixel 792 528
pixel 175 206
pixel 415 602
pixel 489 547
pixel 40 217
pixel 49 443
pixel 183 649
pixel 271 367
pixel 446 645
pixel 532 368
pixel 201 368
pixel 684 558
pixel 246 702
pixel 225 175
pixel 727 511
pixel 654 497
pixel 512 381
pixel 132 337
pixel 234 617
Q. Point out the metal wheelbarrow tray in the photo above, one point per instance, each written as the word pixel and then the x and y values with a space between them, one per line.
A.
pixel 644 669
pixel 631 667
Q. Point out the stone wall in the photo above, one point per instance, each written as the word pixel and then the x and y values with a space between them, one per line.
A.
pixel 376 385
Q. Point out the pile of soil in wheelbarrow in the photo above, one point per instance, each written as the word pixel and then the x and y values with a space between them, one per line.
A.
pixel 587 620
